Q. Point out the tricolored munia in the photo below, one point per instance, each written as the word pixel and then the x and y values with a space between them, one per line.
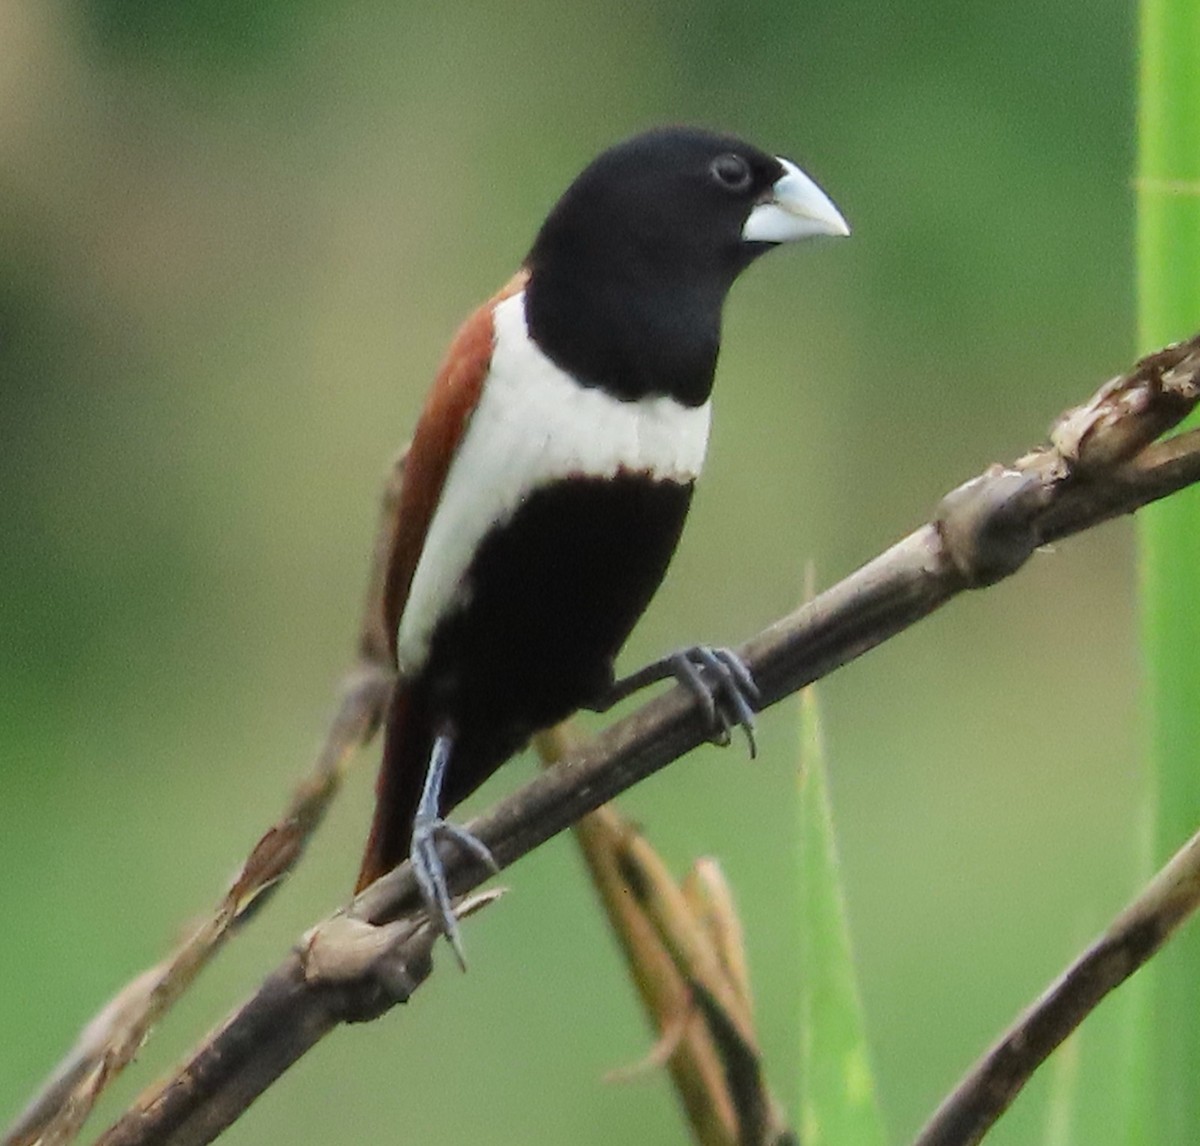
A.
pixel 551 471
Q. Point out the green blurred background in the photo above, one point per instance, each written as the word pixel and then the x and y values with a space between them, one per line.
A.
pixel 234 240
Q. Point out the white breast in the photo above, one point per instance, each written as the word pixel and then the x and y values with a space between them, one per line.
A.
pixel 534 425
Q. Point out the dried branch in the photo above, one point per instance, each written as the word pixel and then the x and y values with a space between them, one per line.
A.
pixel 992 1084
pixel 684 951
pixel 342 971
pixel 1100 463
pixel 1097 466
pixel 109 1042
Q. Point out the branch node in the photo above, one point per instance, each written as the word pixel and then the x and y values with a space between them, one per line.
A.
pixel 986 525
pixel 367 970
pixel 1130 411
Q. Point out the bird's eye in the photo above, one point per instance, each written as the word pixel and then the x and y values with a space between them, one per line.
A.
pixel 731 171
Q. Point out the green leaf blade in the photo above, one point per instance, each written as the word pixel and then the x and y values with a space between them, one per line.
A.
pixel 1164 1063
pixel 839 1101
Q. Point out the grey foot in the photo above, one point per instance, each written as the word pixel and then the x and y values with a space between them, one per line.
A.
pixel 431 874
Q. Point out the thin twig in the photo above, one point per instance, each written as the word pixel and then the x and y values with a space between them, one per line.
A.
pixel 1096 468
pixel 109 1042
pixel 992 1084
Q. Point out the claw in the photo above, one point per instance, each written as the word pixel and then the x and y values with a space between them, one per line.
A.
pixel 727 693
pixel 737 688
pixel 687 672
pixel 431 874
pixel 717 677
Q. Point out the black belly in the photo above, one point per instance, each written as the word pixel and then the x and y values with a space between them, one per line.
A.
pixel 552 597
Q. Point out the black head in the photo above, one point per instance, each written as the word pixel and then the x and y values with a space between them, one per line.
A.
pixel 632 266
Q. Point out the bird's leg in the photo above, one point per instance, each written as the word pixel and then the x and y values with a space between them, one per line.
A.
pixel 717 677
pixel 428 826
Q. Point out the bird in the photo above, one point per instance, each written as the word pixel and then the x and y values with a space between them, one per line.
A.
pixel 550 473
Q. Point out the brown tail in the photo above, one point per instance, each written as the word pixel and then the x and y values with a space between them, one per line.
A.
pixel 407 742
